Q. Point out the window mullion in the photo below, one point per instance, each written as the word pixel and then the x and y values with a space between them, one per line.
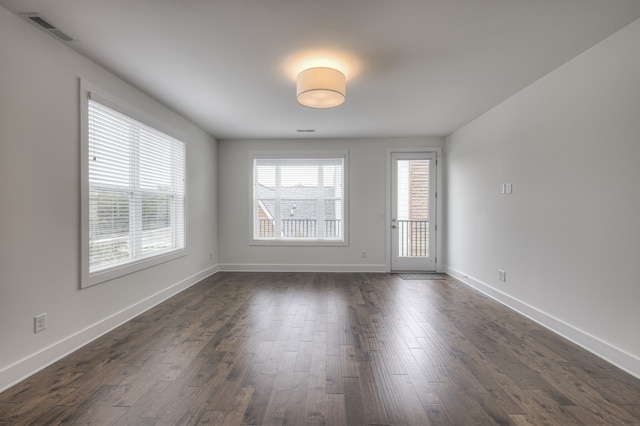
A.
pixel 277 214
pixel 134 179
pixel 321 204
pixel 173 216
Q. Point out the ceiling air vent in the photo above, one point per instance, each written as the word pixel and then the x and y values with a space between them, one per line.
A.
pixel 305 130
pixel 43 24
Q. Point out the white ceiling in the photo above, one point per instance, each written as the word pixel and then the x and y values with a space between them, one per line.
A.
pixel 414 67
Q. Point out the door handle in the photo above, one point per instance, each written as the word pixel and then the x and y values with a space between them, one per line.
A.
pixel 393 226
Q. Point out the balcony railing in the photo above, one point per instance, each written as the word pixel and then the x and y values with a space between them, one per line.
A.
pixel 332 229
pixel 300 228
pixel 413 238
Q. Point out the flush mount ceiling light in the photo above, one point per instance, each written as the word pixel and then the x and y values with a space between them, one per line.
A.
pixel 321 88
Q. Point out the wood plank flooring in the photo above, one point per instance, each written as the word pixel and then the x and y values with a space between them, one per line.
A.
pixel 327 349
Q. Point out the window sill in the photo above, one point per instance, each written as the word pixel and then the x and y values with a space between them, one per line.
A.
pixel 89 280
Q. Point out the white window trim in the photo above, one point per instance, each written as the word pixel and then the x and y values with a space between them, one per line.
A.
pixel 299 154
pixel 88 279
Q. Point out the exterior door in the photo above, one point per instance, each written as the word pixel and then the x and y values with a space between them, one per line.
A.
pixel 413 211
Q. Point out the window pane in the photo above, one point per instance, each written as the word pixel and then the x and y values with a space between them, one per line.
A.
pixel 298 199
pixel 107 251
pixel 136 190
pixel 109 234
pixel 333 219
pixel 265 176
pixel 299 176
pixel 299 217
pixel 156 211
pixel 155 165
pixel 109 213
pixel 299 228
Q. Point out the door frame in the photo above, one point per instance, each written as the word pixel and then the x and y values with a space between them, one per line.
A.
pixel 439 202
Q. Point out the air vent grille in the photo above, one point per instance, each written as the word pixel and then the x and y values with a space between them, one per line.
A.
pixel 61 35
pixel 305 130
pixel 43 24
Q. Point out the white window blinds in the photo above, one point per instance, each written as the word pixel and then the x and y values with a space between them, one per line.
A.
pixel 136 177
pixel 299 199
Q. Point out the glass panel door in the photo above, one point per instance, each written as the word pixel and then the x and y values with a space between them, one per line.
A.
pixel 413 212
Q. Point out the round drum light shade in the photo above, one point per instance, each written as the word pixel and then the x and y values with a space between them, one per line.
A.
pixel 321 88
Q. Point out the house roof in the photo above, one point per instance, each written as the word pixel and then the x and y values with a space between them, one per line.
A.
pixel 298 202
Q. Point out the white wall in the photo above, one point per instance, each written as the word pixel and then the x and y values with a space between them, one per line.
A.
pixel 367 192
pixel 569 235
pixel 40 205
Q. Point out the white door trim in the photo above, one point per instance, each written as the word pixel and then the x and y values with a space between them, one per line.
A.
pixel 439 204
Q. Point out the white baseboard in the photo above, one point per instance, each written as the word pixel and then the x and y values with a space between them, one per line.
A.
pixel 600 348
pixel 37 361
pixel 259 267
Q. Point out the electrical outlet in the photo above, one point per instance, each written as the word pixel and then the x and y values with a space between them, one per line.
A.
pixel 39 323
pixel 509 188
pixel 210 256
pixel 502 275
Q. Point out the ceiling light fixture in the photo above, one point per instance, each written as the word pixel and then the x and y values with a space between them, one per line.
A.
pixel 321 87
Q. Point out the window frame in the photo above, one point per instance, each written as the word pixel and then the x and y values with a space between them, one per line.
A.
pixel 87 279
pixel 277 155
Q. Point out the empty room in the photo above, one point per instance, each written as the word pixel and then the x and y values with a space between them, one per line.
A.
pixel 279 212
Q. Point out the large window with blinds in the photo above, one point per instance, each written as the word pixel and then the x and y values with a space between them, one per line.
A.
pixel 133 194
pixel 299 199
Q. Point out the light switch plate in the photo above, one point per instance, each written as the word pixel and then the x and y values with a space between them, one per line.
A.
pixel 39 323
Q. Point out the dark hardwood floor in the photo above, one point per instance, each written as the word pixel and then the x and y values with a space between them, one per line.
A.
pixel 334 349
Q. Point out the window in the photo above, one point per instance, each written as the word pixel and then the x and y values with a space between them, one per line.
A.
pixel 299 200
pixel 133 194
